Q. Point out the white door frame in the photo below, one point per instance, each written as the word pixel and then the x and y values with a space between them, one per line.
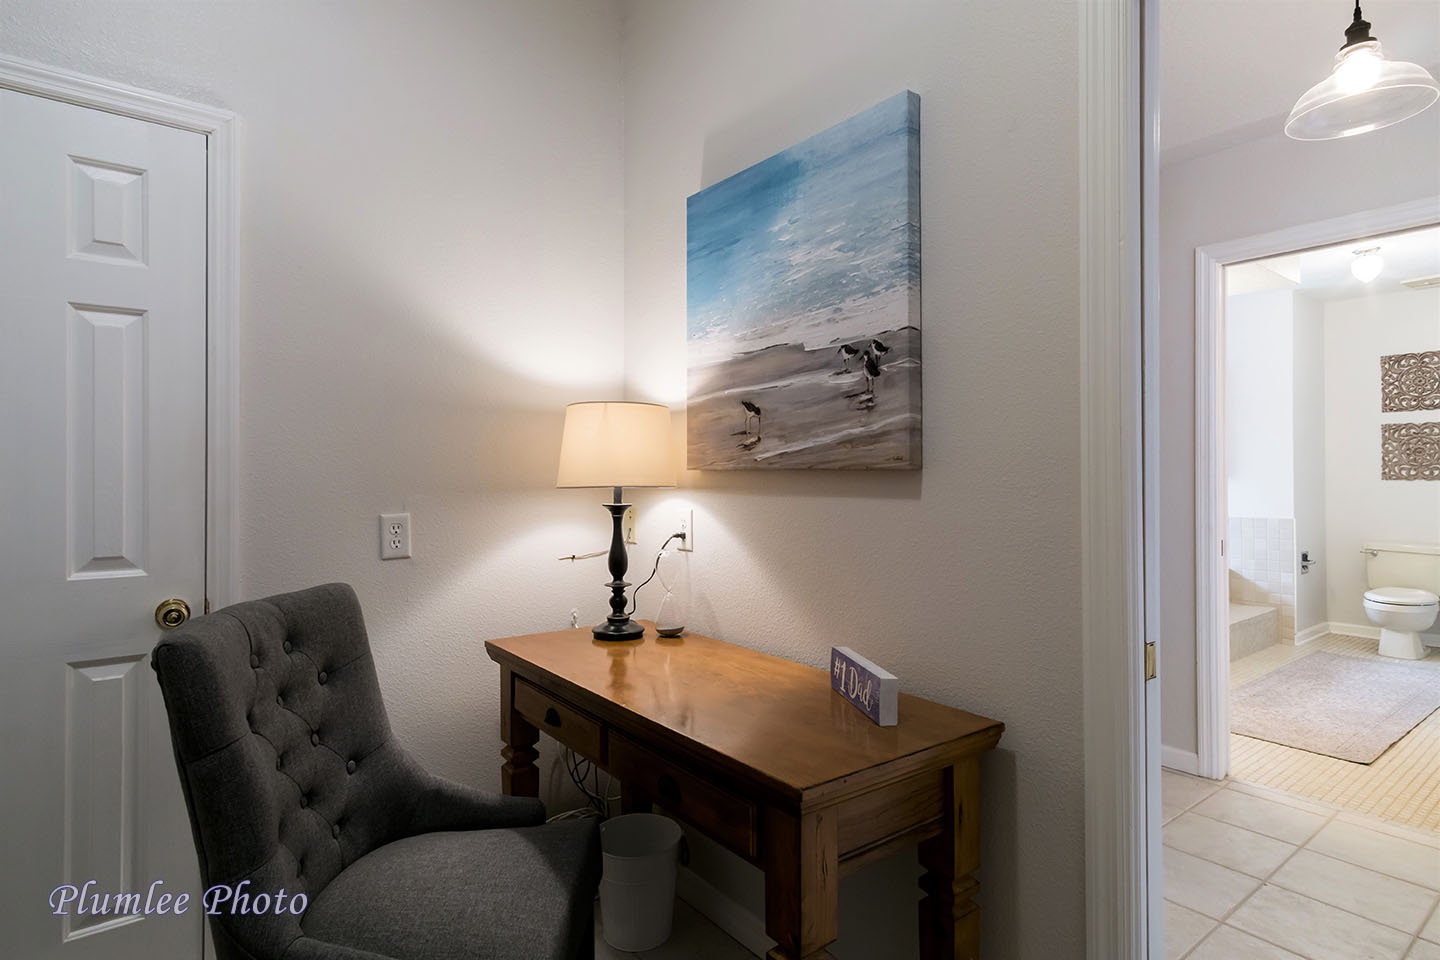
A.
pixel 222 380
pixel 1117 271
pixel 1212 585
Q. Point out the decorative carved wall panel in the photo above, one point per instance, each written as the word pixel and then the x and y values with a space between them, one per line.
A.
pixel 1410 451
pixel 1410 381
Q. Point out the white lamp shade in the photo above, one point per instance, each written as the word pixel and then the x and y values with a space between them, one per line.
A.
pixel 616 444
pixel 1364 92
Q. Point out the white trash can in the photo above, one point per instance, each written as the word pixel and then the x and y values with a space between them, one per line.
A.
pixel 637 886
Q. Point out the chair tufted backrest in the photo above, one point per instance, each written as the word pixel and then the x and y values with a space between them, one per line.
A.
pixel 286 758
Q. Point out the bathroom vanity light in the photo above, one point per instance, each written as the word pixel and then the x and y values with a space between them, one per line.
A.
pixel 1367 264
pixel 1364 91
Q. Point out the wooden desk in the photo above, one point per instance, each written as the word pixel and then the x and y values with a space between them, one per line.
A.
pixel 759 754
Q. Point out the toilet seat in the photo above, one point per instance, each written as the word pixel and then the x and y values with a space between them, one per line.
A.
pixel 1401 597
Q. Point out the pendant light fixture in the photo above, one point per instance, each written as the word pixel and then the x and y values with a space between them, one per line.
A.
pixel 1364 91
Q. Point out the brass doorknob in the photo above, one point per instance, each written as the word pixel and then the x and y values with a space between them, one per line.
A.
pixel 171 613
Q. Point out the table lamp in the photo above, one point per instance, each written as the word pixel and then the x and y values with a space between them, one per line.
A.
pixel 616 444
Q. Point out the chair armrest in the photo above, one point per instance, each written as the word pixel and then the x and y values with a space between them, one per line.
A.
pixel 445 805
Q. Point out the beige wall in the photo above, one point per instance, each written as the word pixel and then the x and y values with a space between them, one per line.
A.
pixel 452 223
pixel 430 266
pixel 1260 404
pixel 1263 185
pixel 963 579
pixel 1310 485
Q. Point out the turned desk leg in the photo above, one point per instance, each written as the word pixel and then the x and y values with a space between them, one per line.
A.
pixel 802 882
pixel 519 777
pixel 949 918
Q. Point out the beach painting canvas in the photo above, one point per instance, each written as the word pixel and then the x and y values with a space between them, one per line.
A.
pixel 803 293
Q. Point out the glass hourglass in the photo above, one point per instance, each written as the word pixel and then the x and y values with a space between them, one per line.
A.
pixel 675 605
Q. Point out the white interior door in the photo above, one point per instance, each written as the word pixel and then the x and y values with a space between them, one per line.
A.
pixel 102 485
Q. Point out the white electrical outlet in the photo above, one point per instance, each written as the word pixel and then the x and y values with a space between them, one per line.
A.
pixel 627 524
pixel 687 527
pixel 394 536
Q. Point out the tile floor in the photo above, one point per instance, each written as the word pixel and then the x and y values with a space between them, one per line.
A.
pixel 1402 785
pixel 693 937
pixel 1253 873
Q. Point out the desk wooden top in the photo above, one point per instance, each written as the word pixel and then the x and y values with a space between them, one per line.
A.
pixel 743 709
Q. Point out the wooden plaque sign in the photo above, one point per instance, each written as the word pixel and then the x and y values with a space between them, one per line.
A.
pixel 871 690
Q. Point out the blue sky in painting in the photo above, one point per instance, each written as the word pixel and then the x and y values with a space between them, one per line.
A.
pixel 801 247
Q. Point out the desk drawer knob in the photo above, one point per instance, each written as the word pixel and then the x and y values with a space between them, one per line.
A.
pixel 667 789
pixel 552 717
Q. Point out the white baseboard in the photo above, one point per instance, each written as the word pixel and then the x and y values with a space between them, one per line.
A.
pixel 1312 633
pixel 743 926
pixel 1366 630
pixel 1182 760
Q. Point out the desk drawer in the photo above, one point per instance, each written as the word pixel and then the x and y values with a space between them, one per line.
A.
pixel 562 721
pixel 720 814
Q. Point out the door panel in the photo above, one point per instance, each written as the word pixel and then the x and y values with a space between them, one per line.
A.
pixel 102 482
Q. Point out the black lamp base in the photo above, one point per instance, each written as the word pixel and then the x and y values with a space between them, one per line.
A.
pixel 618 625
pixel 623 630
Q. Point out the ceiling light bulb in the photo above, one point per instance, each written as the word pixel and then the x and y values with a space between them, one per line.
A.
pixel 1363 92
pixel 1367 264
pixel 1359 67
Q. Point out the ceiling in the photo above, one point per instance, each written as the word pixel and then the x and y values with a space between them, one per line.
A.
pixel 1323 274
pixel 1230 70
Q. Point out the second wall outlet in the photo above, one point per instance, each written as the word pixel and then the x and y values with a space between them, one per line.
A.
pixel 394 536
pixel 686 525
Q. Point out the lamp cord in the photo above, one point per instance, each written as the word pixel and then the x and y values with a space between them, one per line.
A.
pixel 584 556
pixel 635 595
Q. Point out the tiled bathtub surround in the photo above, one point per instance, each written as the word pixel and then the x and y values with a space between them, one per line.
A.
pixel 1252 628
pixel 1262 567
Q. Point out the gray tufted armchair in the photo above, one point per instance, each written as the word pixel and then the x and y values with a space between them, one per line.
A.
pixel 295 783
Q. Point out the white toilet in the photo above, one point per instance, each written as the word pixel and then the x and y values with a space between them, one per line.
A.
pixel 1402 600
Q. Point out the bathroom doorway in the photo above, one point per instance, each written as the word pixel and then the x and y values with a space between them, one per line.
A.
pixel 1292 445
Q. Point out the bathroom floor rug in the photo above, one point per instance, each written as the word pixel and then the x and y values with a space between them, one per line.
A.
pixel 1342 707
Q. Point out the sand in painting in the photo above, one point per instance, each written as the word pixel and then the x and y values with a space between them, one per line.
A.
pixel 812 412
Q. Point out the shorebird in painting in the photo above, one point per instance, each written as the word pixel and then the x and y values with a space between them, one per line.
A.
pixel 878 348
pixel 872 370
pixel 847 353
pixel 751 411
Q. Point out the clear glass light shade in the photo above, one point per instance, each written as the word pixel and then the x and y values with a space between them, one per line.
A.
pixel 1364 92
pixel 1367 265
